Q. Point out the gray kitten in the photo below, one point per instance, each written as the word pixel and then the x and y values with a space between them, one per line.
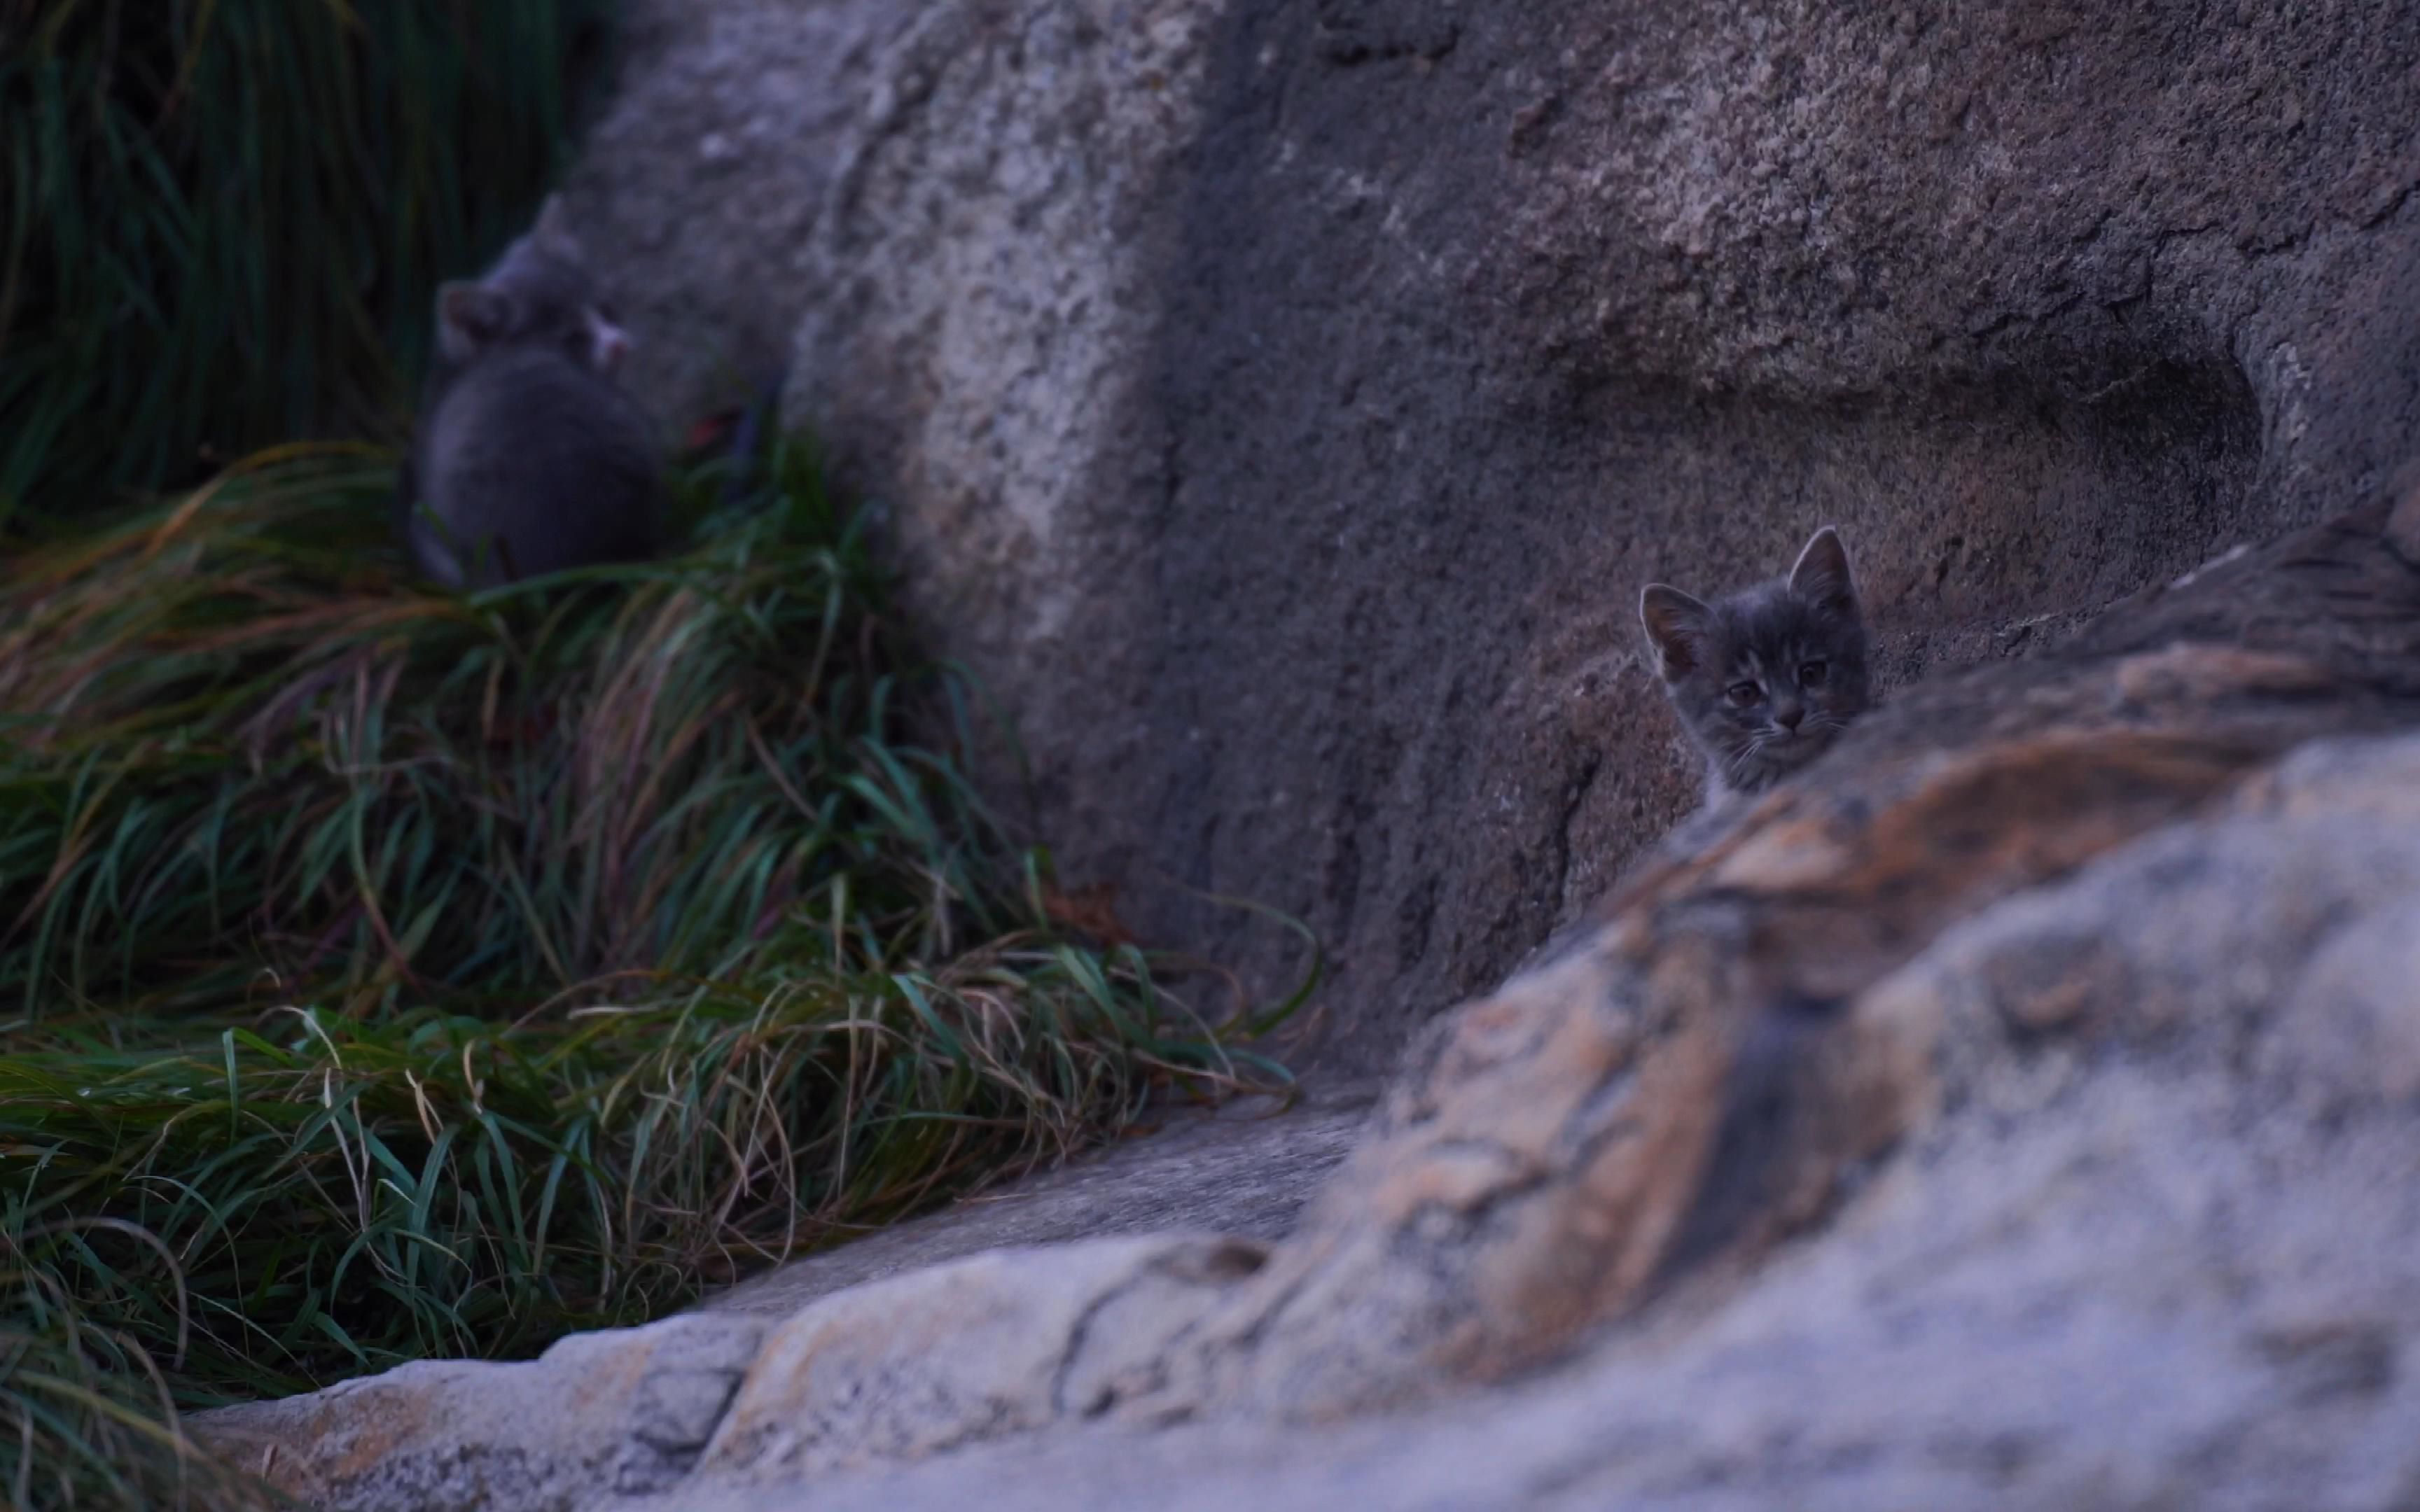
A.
pixel 530 457
pixel 1765 679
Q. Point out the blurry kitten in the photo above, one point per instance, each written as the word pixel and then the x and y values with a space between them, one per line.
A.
pixel 1766 678
pixel 530 457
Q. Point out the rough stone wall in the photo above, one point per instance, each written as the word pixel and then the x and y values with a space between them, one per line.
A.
pixel 1281 405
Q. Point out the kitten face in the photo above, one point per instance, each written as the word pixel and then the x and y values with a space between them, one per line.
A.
pixel 539 292
pixel 1765 679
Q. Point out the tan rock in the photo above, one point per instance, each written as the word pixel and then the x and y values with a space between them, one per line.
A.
pixel 978 1349
pixel 622 1411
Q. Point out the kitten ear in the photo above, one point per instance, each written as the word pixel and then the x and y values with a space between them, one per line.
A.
pixel 1676 628
pixel 468 317
pixel 1822 576
pixel 554 232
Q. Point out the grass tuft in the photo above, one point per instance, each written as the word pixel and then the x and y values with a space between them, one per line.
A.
pixel 87 1419
pixel 388 974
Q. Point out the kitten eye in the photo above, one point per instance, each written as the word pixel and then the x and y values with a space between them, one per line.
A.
pixel 1811 674
pixel 1744 694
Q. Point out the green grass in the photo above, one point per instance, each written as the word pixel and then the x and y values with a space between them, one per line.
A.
pixel 222 221
pixel 89 1421
pixel 388 974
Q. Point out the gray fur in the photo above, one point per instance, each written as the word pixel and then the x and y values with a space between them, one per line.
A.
pixel 1793 647
pixel 530 457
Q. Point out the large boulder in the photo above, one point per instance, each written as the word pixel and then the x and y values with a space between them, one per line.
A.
pixel 2016 1108
pixel 1281 405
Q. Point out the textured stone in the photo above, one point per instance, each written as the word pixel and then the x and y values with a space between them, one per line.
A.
pixel 977 1348
pixel 953 1354
pixel 2127 1261
pixel 1280 403
pixel 1245 1169
pixel 1704 1072
pixel 616 1412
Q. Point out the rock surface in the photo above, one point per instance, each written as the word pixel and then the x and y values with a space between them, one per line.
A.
pixel 1281 405
pixel 1244 1169
pixel 2148 1251
pixel 2016 1109
pixel 616 1413
pixel 984 1347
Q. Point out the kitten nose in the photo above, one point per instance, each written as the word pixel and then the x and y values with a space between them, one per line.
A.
pixel 1787 716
